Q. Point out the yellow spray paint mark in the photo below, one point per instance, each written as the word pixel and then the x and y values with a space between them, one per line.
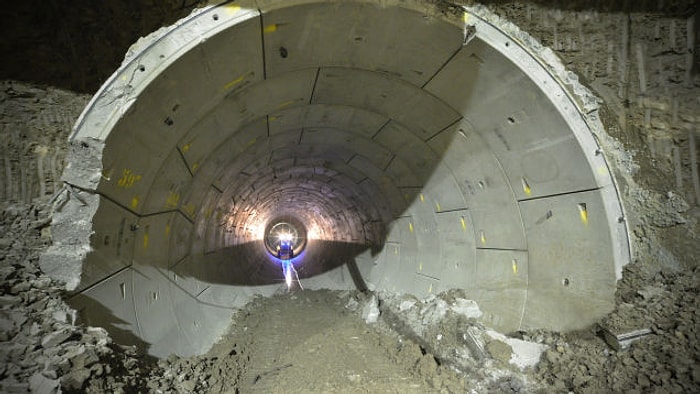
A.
pixel 232 8
pixel 437 205
pixel 430 289
pixel 271 118
pixel 128 179
pixel 234 82
pixel 186 147
pixel 420 267
pixel 602 170
pixel 167 230
pixel 251 142
pixel 410 227
pixel 483 237
pixel 173 200
pixel 135 202
pixel 465 17
pixel 286 104
pixel 195 166
pixel 396 250
pixel 464 224
pixel 270 28
pixel 422 199
pixel 189 209
pixel 583 213
pixel 526 187
pixel 515 267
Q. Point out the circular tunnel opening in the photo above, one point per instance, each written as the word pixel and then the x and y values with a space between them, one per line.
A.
pixel 285 238
pixel 436 152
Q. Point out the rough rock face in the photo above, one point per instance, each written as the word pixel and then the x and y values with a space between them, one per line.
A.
pixel 667 360
pixel 41 347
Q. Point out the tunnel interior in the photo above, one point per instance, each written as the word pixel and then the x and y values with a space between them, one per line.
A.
pixel 414 148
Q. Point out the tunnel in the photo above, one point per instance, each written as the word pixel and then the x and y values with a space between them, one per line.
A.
pixel 416 146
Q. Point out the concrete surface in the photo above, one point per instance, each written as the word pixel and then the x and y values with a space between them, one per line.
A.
pixel 427 148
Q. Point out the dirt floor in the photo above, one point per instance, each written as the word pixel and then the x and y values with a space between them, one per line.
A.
pixel 311 341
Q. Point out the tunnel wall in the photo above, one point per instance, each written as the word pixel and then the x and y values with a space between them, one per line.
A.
pixel 472 156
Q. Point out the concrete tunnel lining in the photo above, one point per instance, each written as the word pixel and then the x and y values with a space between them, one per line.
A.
pixel 424 149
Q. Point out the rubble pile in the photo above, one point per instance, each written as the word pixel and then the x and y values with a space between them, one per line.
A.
pixel 199 374
pixel 43 350
pixel 667 360
pixel 41 347
pixel 447 325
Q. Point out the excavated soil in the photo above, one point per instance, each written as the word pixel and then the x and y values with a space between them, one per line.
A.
pixel 323 341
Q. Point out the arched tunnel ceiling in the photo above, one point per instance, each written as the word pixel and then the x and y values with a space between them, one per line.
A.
pixel 423 148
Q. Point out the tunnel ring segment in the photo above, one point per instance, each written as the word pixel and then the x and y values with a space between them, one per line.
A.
pixel 131 156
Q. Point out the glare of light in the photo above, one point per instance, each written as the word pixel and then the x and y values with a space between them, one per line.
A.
pixel 312 233
pixel 257 230
pixel 285 236
pixel 288 270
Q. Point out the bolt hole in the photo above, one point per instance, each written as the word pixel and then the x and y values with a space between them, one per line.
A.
pixel 168 121
pixel 176 107
pixel 142 68
pixel 283 52
pixel 215 17
pixel 507 44
pixel 511 120
pixel 565 282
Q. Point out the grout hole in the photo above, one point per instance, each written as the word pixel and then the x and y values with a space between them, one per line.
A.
pixel 168 121
pixel 215 17
pixel 142 68
pixel 565 282
pixel 283 52
pixel 511 120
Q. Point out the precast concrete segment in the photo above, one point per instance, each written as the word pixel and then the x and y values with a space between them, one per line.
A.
pixel 423 146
